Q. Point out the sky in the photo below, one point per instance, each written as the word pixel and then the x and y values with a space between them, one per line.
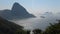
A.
pixel 33 6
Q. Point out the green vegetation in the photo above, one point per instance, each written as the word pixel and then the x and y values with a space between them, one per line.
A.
pixel 53 29
pixel 37 31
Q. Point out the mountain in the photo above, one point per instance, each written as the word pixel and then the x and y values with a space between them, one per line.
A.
pixel 7 27
pixel 17 12
pixel 46 14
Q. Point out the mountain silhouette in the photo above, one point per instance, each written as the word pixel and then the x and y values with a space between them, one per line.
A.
pixel 17 12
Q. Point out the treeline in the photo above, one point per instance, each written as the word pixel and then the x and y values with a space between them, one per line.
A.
pixel 7 27
pixel 52 29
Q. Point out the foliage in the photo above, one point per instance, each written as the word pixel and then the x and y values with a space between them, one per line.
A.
pixel 53 29
pixel 37 31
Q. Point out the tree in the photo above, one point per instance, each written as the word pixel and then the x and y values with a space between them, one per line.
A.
pixel 37 31
pixel 53 28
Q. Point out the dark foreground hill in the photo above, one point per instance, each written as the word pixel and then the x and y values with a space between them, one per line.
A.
pixel 17 12
pixel 7 27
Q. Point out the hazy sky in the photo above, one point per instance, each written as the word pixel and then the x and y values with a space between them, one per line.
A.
pixel 33 6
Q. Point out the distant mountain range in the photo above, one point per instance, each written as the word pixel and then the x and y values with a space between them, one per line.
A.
pixel 46 14
pixel 17 12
